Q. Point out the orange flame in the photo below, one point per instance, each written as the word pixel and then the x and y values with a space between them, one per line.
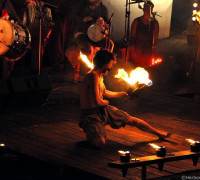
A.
pixel 154 146
pixel 138 75
pixel 123 152
pixel 86 61
pixel 191 141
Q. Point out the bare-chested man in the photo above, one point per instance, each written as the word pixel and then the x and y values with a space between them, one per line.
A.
pixel 96 111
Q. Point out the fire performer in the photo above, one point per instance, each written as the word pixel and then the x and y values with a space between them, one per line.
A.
pixel 96 111
pixel 144 37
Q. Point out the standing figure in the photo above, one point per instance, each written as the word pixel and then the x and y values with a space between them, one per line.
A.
pixel 96 111
pixel 93 12
pixel 37 18
pixel 85 15
pixel 54 54
pixel 144 37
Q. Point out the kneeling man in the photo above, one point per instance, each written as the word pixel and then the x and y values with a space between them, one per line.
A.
pixel 96 111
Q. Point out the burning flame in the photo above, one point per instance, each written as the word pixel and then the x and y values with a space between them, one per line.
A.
pixel 86 61
pixel 154 146
pixel 191 141
pixel 123 152
pixel 138 75
pixel 156 61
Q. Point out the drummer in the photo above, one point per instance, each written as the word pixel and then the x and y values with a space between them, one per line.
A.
pixel 9 10
pixel 93 12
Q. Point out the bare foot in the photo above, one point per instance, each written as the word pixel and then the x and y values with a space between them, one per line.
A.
pixel 164 135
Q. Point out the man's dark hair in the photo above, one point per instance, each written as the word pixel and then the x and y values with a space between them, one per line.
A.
pixel 149 3
pixel 102 58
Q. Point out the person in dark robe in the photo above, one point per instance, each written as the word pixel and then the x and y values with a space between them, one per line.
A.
pixel 144 37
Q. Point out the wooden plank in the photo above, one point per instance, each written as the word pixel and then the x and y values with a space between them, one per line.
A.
pixel 55 155
pixel 71 152
pixel 31 140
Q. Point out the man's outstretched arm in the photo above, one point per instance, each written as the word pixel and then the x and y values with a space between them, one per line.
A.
pixel 111 94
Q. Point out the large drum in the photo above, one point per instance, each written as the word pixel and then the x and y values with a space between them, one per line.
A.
pixel 14 40
pixel 96 32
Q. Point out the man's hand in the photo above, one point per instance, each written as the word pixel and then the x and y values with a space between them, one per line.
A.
pixel 100 21
pixel 106 102
pixel 123 93
pixel 87 18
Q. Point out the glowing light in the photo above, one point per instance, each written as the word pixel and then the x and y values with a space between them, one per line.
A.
pixel 154 146
pixel 194 11
pixel 138 75
pixel 86 61
pixel 195 5
pixel 156 61
pixel 2 145
pixel 194 18
pixel 123 152
pixel 191 141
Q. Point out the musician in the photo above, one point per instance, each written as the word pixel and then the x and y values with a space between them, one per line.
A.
pixel 93 11
pixel 144 37
pixel 36 10
pixel 10 10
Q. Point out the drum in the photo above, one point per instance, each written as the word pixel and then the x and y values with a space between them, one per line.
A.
pixel 96 32
pixel 14 40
